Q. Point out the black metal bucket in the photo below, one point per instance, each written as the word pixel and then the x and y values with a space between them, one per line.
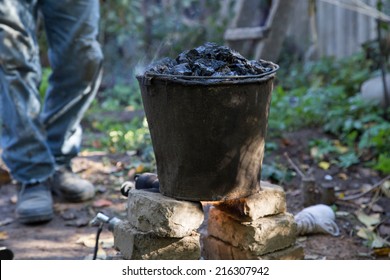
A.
pixel 208 133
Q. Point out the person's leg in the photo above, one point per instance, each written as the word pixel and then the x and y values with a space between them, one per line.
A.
pixel 76 59
pixel 23 140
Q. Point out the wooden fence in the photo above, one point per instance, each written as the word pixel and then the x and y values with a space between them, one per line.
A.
pixel 339 32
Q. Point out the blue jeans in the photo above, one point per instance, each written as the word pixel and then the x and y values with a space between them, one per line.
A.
pixel 35 140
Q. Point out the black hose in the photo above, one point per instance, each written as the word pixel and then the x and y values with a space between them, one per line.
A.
pixel 100 228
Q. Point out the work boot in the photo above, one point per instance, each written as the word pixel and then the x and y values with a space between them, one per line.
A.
pixel 70 186
pixel 35 204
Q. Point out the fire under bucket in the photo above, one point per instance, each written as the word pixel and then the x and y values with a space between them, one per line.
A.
pixel 208 133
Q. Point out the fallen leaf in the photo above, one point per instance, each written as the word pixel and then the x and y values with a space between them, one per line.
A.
pixel 324 165
pixel 368 220
pixel 385 188
pixel 343 176
pixel 374 240
pixel 107 244
pixel 3 235
pixel 102 203
pixel 364 233
pixel 382 252
pixel 341 195
pixel 140 168
pixel 378 242
pixel 88 241
pixel 286 142
pixel 340 148
pixel 101 254
pixel 315 153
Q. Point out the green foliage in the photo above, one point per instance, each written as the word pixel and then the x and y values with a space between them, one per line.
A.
pixel 322 148
pixel 44 82
pixel 302 106
pixel 123 136
pixel 132 137
pixel 376 135
pixel 326 94
pixel 121 95
pixel 383 163
pixel 315 93
pixel 348 73
pixel 275 172
pixel 347 160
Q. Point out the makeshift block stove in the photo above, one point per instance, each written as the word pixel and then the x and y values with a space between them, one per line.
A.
pixel 159 227
pixel 256 227
pixel 207 112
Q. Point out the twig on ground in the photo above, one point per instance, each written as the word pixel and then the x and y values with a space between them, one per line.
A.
pixel 375 186
pixel 293 165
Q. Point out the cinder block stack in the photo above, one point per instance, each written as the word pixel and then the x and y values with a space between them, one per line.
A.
pixel 159 227
pixel 255 227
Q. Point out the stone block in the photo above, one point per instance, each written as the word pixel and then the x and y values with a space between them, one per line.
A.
pixel 165 216
pixel 271 200
pixel 216 249
pixel 136 245
pixel 265 235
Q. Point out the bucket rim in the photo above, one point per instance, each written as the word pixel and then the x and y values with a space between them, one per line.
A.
pixel 212 79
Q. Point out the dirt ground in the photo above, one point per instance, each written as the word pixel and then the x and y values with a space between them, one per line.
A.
pixel 69 235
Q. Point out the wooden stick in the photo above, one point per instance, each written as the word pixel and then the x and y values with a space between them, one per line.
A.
pixel 296 168
pixel 352 197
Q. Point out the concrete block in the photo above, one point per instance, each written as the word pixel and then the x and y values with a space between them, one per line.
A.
pixel 262 236
pixel 271 200
pixel 165 216
pixel 136 245
pixel 216 249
